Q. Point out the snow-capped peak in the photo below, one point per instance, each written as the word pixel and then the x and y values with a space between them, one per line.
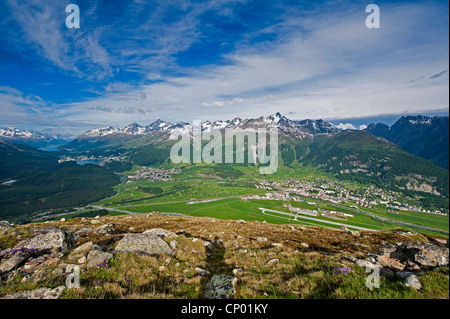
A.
pixel 100 131
pixel 285 125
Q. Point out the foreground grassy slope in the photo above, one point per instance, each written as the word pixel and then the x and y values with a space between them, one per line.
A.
pixel 308 259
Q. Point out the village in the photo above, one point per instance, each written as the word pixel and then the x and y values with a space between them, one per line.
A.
pixel 101 160
pixel 153 174
pixel 335 192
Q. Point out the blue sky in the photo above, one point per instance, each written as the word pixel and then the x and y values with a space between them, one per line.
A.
pixel 136 61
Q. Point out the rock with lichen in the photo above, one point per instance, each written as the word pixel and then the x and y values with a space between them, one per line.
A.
pixel 220 287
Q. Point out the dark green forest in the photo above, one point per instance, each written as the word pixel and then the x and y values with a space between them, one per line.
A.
pixel 70 186
pixel 42 184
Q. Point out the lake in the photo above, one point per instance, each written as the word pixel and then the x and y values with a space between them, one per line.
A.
pixel 88 162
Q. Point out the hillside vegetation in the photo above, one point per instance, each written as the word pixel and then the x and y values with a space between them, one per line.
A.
pixel 267 261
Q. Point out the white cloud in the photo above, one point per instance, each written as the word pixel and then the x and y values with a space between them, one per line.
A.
pixel 346 126
pixel 333 68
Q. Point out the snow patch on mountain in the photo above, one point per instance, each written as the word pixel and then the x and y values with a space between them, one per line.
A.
pixel 283 124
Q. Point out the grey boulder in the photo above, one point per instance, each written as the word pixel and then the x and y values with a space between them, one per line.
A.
pixel 145 243
pixel 220 287
pixel 96 258
pixel 160 232
pixel 41 293
pixel 14 262
pixel 57 239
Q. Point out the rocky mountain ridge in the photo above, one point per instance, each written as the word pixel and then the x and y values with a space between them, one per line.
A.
pixel 277 120
pixel 426 137
pixel 32 138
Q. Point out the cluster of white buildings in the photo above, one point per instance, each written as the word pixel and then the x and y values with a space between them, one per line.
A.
pixel 154 174
pixel 101 159
pixel 333 192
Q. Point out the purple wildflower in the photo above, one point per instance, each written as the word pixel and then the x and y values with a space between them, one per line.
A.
pixel 342 271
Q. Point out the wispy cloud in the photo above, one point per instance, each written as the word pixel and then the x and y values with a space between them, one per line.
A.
pixel 438 75
pixel 185 60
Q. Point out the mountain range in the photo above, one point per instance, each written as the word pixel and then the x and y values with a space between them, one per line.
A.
pixel 32 138
pixel 352 155
pixel 426 137
pixel 357 155
pixel 106 136
pixel 422 136
pixel 277 120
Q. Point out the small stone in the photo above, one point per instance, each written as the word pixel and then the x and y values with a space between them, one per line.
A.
pixel 272 262
pixel 413 281
pixel 350 258
pixel 412 266
pixel 403 274
pixel 14 262
pixel 304 245
pixel 86 247
pixel 390 263
pixel 160 232
pixel 261 239
pixel 95 221
pixel 25 279
pixel 84 231
pixel 364 264
pixel 96 257
pixel 237 272
pixel 202 272
pixel 276 245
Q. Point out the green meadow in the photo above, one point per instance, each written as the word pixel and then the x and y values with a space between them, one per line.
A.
pixel 208 190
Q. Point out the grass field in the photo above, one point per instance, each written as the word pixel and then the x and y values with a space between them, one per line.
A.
pixel 236 208
pixel 223 186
